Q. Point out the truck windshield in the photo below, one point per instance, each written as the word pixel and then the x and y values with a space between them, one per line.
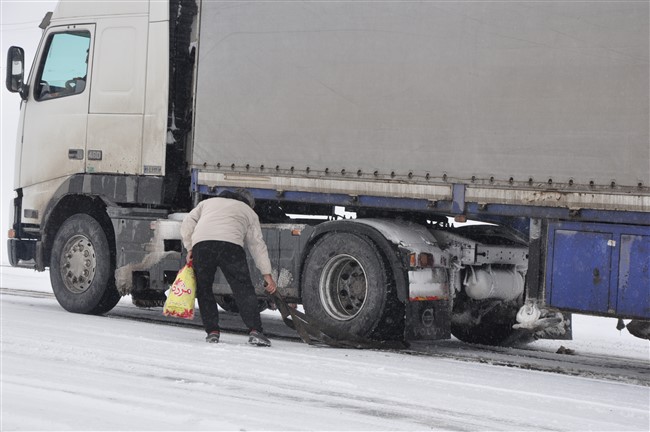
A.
pixel 64 68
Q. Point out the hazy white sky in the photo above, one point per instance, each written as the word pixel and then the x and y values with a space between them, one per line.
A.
pixel 19 26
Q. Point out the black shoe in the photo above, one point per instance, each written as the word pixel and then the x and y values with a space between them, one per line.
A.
pixel 212 337
pixel 257 338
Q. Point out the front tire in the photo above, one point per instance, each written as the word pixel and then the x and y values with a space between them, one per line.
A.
pixel 81 267
pixel 349 292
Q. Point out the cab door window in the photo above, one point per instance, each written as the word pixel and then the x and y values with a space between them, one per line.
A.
pixel 64 67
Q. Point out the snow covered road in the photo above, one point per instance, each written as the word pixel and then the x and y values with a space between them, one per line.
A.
pixel 63 371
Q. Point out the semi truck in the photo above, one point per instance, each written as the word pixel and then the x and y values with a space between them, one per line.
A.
pixel 412 117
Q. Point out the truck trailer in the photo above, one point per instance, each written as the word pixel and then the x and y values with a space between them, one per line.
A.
pixel 530 117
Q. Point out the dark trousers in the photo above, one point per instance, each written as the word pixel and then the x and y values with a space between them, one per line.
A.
pixel 207 256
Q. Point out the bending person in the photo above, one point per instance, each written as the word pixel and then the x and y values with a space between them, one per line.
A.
pixel 214 234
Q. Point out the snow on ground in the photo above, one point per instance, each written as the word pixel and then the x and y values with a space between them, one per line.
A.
pixel 63 371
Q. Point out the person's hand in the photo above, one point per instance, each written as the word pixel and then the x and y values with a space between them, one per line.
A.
pixel 269 284
pixel 189 257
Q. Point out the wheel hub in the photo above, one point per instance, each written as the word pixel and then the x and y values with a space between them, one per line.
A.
pixel 343 287
pixel 78 264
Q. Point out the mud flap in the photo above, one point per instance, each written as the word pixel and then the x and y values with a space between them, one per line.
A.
pixel 427 320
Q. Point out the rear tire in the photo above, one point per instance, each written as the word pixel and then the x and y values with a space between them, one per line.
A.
pixel 81 267
pixel 348 291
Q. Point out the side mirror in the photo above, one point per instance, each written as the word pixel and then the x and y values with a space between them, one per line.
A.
pixel 16 70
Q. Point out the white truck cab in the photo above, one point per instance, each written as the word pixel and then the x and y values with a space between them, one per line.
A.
pixel 96 98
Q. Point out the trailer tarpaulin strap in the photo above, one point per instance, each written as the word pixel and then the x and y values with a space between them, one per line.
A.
pixel 312 335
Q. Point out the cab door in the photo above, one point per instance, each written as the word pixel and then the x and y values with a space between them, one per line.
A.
pixel 55 116
pixel 117 103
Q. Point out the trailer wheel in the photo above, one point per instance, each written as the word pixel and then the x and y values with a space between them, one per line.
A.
pixel 486 322
pixel 348 291
pixel 81 267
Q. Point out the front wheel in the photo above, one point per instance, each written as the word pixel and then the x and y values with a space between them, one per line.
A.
pixel 81 267
pixel 348 291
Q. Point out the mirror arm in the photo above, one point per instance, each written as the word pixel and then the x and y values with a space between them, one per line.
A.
pixel 24 91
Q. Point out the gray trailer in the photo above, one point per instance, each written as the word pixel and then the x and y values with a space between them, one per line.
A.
pixel 530 116
pixel 506 98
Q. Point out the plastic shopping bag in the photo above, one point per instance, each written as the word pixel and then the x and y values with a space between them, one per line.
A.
pixel 181 296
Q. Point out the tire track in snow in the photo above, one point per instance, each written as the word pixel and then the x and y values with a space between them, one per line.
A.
pixel 613 368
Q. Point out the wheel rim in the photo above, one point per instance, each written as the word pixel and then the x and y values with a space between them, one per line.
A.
pixel 343 287
pixel 78 264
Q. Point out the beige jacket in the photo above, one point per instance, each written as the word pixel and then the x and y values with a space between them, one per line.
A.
pixel 228 220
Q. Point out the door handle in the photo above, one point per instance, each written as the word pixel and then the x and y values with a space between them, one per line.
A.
pixel 75 154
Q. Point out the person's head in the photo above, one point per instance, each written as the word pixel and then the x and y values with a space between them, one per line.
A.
pixel 247 196
pixel 240 195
